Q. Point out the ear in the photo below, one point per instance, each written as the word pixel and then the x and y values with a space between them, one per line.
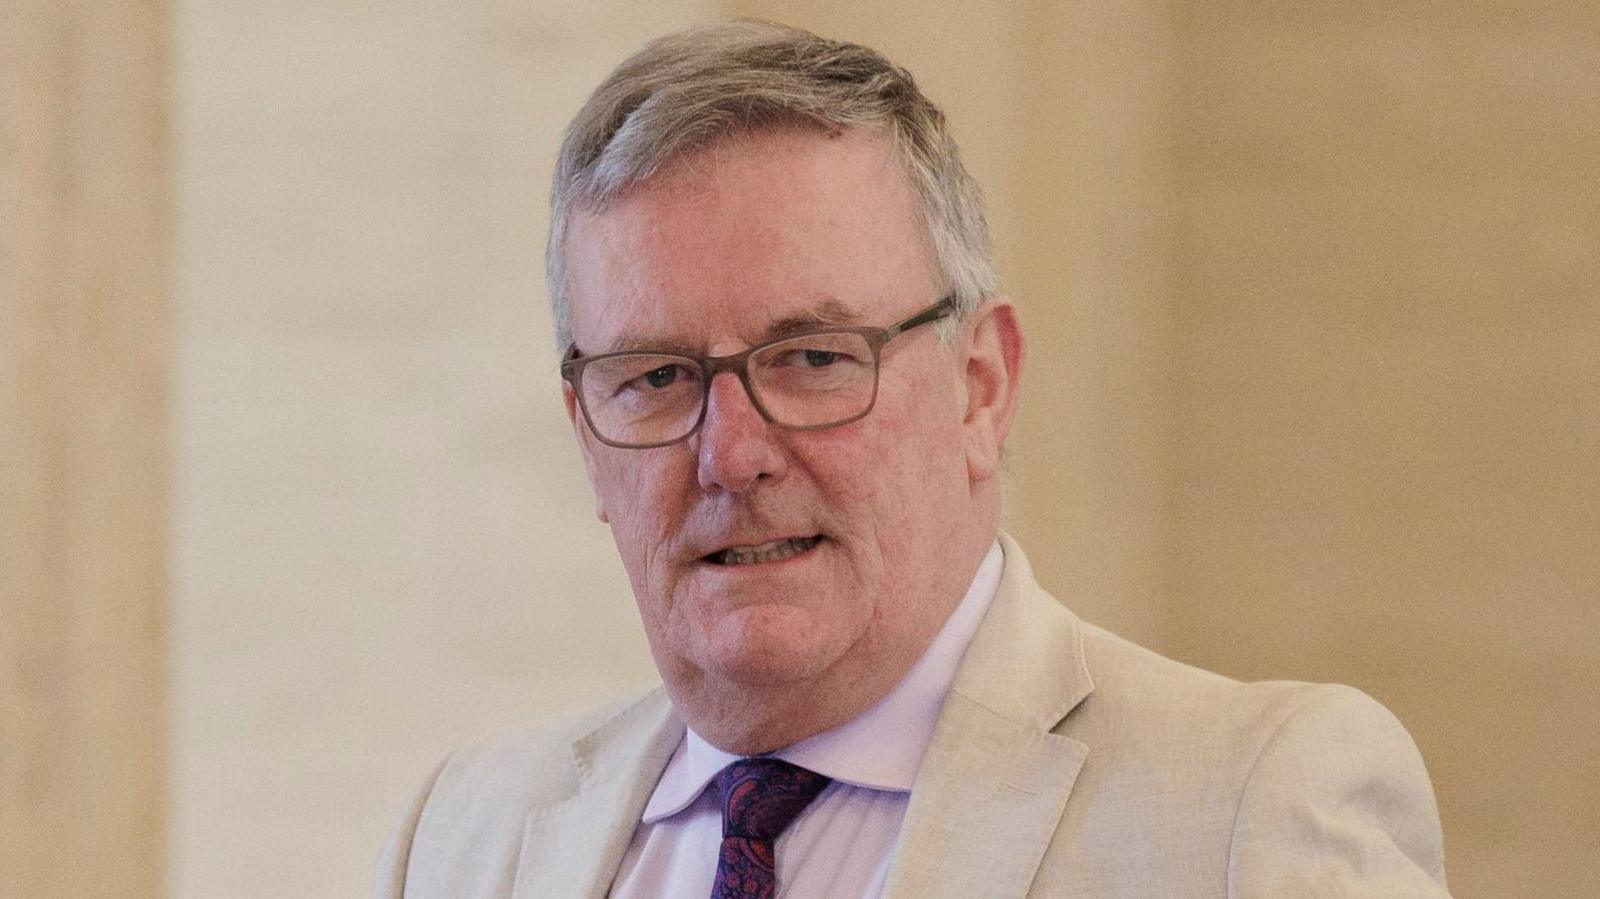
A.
pixel 580 429
pixel 994 357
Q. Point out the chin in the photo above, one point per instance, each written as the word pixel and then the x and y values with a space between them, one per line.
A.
pixel 765 665
pixel 764 650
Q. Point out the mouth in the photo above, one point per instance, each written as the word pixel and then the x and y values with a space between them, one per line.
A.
pixel 771 551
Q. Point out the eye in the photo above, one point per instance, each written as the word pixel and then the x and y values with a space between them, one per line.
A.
pixel 814 357
pixel 663 376
pixel 817 358
pixel 644 377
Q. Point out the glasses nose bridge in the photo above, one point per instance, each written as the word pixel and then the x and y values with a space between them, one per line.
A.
pixel 738 365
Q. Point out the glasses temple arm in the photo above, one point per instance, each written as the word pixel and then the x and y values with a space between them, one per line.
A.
pixel 933 313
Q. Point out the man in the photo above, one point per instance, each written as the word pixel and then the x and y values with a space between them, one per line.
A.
pixel 791 377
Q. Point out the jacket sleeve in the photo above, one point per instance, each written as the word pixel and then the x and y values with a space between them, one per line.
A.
pixel 396 857
pixel 1337 804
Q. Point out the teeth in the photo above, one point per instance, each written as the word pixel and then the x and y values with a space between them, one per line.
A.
pixel 775 551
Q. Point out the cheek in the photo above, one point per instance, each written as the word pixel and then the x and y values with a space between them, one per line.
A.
pixel 915 474
pixel 643 499
pixel 919 435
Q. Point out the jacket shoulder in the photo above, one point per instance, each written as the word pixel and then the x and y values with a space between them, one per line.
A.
pixel 524 767
pixel 1273 787
pixel 1134 685
pixel 1337 800
pixel 461 833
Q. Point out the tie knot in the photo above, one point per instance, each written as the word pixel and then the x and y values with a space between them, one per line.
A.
pixel 762 796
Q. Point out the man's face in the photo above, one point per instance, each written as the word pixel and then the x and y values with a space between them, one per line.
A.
pixel 717 254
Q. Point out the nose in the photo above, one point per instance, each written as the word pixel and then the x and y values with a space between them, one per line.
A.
pixel 738 448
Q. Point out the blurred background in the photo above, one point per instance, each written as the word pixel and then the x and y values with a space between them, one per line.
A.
pixel 291 507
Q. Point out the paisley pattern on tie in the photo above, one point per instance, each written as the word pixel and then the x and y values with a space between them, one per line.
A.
pixel 760 798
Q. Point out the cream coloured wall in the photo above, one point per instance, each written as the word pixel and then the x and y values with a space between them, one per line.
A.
pixel 384 543
pixel 1387 385
pixel 1312 301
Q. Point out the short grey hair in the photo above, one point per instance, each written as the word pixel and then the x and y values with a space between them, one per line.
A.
pixel 685 91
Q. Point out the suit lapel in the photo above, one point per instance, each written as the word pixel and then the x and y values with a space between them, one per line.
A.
pixel 995 780
pixel 573 848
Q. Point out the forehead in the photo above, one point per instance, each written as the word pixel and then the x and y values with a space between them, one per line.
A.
pixel 754 232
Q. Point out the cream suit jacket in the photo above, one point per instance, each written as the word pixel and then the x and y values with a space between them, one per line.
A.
pixel 1066 762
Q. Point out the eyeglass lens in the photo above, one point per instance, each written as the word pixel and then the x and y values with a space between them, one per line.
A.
pixel 811 381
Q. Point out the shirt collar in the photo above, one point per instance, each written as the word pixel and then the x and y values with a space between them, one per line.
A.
pixel 881 748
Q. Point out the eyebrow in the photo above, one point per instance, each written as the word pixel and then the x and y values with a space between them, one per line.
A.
pixel 829 313
pixel 651 345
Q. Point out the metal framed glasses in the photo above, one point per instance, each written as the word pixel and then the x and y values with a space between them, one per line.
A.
pixel 638 399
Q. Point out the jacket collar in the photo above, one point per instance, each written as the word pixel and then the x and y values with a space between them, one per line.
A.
pixel 995 780
pixel 573 848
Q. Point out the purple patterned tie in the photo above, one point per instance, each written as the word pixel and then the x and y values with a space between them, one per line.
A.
pixel 760 797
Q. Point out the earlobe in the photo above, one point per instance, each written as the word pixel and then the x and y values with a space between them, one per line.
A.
pixel 580 431
pixel 994 360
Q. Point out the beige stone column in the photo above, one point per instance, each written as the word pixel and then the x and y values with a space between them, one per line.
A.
pixel 83 344
pixel 1388 392
pixel 1087 250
